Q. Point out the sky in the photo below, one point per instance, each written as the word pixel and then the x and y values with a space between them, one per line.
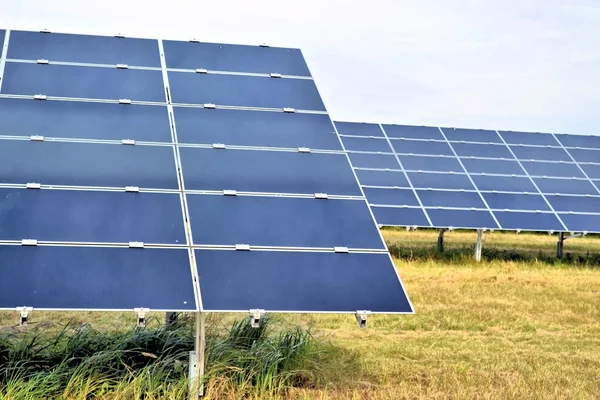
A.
pixel 530 65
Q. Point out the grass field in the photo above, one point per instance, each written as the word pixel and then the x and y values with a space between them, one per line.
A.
pixel 494 330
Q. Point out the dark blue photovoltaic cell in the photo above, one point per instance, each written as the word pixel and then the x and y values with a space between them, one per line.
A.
pixel 581 222
pixel 482 150
pixel 79 120
pixel 528 221
pixel 570 186
pixel 461 219
pixel 540 139
pixel 413 132
pixel 366 144
pixel 2 33
pixel 585 155
pixel 87 164
pixel 358 129
pixel 442 164
pixel 592 170
pixel 83 49
pixel 501 201
pixel 83 82
pixel 278 221
pixel 391 197
pixel 484 166
pixel 592 142
pixel 86 216
pixel 267 171
pixel 255 128
pixel 503 183
pixel 59 277
pixel 440 181
pixel 298 281
pixel 393 216
pixel 560 170
pixel 472 135
pixel 421 147
pixel 365 160
pixel 246 91
pixel 235 58
pixel 382 178
pixel 437 198
pixel 575 203
pixel 540 153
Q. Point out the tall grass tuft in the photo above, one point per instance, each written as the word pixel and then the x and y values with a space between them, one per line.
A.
pixel 77 361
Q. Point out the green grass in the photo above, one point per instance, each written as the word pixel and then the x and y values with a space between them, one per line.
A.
pixel 500 329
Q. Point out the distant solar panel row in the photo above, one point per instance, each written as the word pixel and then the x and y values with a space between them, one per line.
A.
pixel 86 176
pixel 463 178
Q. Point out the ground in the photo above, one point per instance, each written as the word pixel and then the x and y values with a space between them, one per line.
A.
pixel 493 330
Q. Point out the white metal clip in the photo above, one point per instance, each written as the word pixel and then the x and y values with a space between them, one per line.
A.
pixel 242 247
pixel 201 71
pixel 29 242
pixel 218 146
pixel 303 150
pixel 120 36
pixel 340 249
pixel 134 189
pixel 289 110
pixel 323 196
pixel 209 105
pixel 24 315
pixel 36 138
pixel 127 141
pixel 141 316
pixel 136 245
pixel 42 61
pixel 274 75
pixel 33 185
pixel 122 66
pixel 124 101
pixel 40 97
pixel 255 316
pixel 229 192
pixel 361 318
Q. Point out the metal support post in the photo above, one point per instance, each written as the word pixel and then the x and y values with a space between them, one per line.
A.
pixel 196 369
pixel 170 318
pixel 479 245
pixel 440 244
pixel 559 244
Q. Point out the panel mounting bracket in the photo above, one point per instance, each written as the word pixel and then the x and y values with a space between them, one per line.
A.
pixel 36 138
pixel 194 40
pixel 124 101
pixel 255 316
pixel 120 36
pixel 303 150
pixel 323 196
pixel 33 185
pixel 263 44
pixel 24 315
pixel 136 245
pixel 242 247
pixel 44 30
pixel 141 316
pixel 229 192
pixel 340 249
pixel 201 71
pixel 218 146
pixel 210 105
pixel 289 110
pixel 29 242
pixel 122 66
pixel 128 141
pixel 133 189
pixel 40 97
pixel 361 317
pixel 274 75
pixel 43 61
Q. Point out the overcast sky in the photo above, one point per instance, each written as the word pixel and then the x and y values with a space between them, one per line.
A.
pixel 512 64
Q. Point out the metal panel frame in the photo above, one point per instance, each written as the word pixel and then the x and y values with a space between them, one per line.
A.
pixel 3 54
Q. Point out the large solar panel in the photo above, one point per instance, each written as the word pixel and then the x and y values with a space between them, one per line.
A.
pixel 467 178
pixel 178 176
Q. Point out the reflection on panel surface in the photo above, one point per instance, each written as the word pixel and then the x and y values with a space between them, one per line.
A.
pixel 298 281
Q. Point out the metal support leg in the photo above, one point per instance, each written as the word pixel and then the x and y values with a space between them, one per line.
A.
pixel 196 370
pixel 170 318
pixel 479 245
pixel 559 245
pixel 440 244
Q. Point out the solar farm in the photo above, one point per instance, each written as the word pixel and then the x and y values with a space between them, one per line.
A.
pixel 207 181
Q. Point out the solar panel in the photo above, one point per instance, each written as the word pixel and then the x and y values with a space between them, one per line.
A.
pixel 178 176
pixel 467 178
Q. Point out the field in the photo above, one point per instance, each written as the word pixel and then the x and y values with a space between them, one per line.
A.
pixel 517 326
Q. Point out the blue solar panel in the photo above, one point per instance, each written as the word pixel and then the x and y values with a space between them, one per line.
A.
pixel 482 150
pixel 503 183
pixel 539 139
pixel 366 144
pixel 255 128
pixel 382 178
pixel 412 132
pixel 420 163
pixel 83 82
pixel 358 129
pixel 298 281
pixel 400 216
pixel 437 198
pixel 501 201
pixel 81 216
pixel 559 170
pixel 83 49
pixel 581 222
pixel 368 160
pixel 569 203
pixel 393 197
pixel 267 171
pixel 592 142
pixel 2 33
pixel 235 58
pixel 60 277
pixel 472 135
pixel 439 181
pixel 566 186
pixel 528 221
pixel 287 222
pixel 461 218
pixel 421 147
pixel 581 155
pixel 540 153
pixel 87 164
pixel 244 91
pixel 487 166
pixel 79 120
pixel 592 170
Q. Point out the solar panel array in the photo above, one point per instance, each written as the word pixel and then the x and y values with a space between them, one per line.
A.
pixel 138 173
pixel 465 178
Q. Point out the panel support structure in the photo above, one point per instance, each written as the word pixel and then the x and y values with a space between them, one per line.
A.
pixel 559 244
pixel 440 242
pixel 479 245
pixel 170 318
pixel 196 370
